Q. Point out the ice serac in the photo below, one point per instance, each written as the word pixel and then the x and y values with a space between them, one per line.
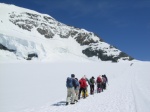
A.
pixel 41 29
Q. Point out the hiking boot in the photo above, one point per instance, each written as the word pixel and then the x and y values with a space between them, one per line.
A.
pixel 92 93
pixel 72 103
pixel 76 100
pixel 66 103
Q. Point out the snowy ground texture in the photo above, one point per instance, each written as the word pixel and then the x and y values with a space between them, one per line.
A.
pixel 40 87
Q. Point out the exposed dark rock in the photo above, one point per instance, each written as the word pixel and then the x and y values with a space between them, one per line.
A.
pixel 100 54
pixel 33 55
pixel 48 18
pixel 83 39
pixel 32 16
pixel 5 48
pixel 45 32
pixel 25 27
pixel 64 36
pixel 122 54
pixel 25 24
pixel 73 33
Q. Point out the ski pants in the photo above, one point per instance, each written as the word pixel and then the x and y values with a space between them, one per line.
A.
pixel 71 95
pixel 84 91
pixel 99 86
pixel 91 89
pixel 104 85
pixel 77 93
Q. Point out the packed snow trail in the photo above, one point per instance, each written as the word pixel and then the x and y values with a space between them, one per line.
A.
pixel 141 87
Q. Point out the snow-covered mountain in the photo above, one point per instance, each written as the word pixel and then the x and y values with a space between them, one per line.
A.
pixel 26 34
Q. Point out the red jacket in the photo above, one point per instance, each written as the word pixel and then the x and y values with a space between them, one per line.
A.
pixel 83 83
pixel 99 80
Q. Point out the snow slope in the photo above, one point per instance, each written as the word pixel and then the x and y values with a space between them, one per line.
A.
pixel 40 87
pixel 26 32
pixel 47 50
pixel 25 42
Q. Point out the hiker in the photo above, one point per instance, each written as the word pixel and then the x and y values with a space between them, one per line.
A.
pixel 70 89
pixel 83 86
pixel 92 83
pixel 99 84
pixel 77 89
pixel 106 80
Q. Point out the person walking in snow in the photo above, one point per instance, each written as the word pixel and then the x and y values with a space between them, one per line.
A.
pixel 99 84
pixel 70 84
pixel 92 83
pixel 83 86
pixel 104 82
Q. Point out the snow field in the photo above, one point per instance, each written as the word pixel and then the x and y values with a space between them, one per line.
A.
pixel 39 87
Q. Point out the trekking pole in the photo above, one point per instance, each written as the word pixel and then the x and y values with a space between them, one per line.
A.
pixel 93 93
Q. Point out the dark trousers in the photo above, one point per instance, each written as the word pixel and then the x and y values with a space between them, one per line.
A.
pixel 91 89
pixel 84 91
pixel 99 87
pixel 104 85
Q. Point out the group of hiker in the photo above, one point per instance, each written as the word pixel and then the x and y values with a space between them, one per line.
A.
pixel 75 87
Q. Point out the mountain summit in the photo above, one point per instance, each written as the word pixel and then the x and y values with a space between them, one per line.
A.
pixel 26 34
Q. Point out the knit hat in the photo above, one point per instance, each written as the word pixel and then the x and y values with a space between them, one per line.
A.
pixel 72 75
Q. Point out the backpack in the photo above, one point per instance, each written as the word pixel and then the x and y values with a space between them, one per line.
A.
pixel 75 83
pixel 99 80
pixel 104 79
pixel 88 81
pixel 92 81
pixel 69 83
pixel 81 82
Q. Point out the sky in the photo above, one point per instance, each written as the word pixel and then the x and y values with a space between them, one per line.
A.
pixel 124 24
